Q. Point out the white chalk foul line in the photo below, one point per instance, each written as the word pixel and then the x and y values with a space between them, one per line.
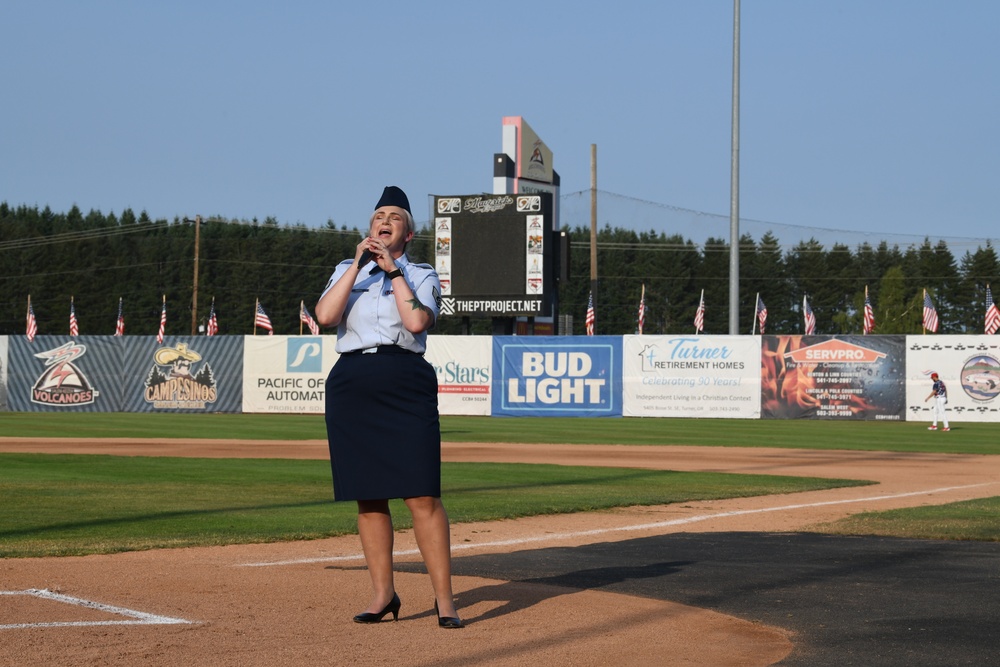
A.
pixel 549 537
pixel 135 617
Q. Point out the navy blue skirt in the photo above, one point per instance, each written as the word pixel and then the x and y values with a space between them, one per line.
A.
pixel 382 425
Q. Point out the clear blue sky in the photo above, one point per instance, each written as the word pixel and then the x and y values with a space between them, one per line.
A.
pixel 856 114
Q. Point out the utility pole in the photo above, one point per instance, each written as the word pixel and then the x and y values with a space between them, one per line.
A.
pixel 593 222
pixel 194 288
pixel 734 196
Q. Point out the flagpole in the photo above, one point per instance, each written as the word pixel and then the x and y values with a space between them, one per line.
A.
pixel 255 307
pixel 756 304
pixel 923 321
pixel 864 313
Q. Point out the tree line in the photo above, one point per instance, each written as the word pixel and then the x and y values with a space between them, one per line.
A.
pixel 96 258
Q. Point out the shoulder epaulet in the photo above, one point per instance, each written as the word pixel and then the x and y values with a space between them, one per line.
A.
pixel 424 266
pixel 347 261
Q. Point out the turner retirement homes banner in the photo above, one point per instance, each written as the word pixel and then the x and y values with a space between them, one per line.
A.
pixel 692 376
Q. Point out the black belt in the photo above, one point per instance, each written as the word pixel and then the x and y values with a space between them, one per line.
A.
pixel 381 349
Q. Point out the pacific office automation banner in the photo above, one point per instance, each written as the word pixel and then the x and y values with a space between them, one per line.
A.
pixel 3 374
pixel 287 374
pixel 833 377
pixel 464 367
pixel 692 376
pixel 183 374
pixel 557 376
pixel 970 368
pixel 63 374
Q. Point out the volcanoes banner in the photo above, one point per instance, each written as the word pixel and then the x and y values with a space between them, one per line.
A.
pixel 833 377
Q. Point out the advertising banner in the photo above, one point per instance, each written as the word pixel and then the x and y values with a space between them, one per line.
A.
pixel 287 374
pixel 691 376
pixel 833 377
pixel 3 374
pixel 183 374
pixel 64 374
pixel 464 367
pixel 557 376
pixel 970 369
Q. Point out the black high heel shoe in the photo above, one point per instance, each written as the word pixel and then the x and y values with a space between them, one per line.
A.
pixel 447 621
pixel 391 608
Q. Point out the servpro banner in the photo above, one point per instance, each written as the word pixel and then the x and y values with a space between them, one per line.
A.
pixel 970 369
pixel 464 367
pixel 287 374
pixel 692 376
pixel 833 377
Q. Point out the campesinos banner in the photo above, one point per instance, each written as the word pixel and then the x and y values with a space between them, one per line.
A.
pixel 833 377
pixel 557 376
pixel 970 369
pixel 691 376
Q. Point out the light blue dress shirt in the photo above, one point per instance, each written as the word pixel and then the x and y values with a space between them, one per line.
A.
pixel 371 317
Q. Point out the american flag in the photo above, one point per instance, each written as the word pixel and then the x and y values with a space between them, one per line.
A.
pixel 304 316
pixel 992 314
pixel 761 314
pixel 120 322
pixel 590 314
pixel 212 327
pixel 699 315
pixel 262 320
pixel 810 318
pixel 74 327
pixel 869 314
pixel 163 322
pixel 32 325
pixel 930 314
pixel 642 309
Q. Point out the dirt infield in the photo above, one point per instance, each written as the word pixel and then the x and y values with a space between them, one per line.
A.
pixel 291 603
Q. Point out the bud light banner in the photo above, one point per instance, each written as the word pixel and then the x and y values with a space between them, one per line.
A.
pixel 64 374
pixel 969 366
pixel 692 376
pixel 833 377
pixel 183 374
pixel 557 376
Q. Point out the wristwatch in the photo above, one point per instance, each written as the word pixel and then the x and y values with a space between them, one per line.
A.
pixel 395 274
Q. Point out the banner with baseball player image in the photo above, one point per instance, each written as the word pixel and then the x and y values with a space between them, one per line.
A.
pixel 183 374
pixel 691 376
pixel 970 368
pixel 63 374
pixel 287 374
pixel 833 377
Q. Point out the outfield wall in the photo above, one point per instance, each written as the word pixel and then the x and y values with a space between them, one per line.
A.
pixel 735 377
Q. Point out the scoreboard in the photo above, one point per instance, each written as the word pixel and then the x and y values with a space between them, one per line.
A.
pixel 495 254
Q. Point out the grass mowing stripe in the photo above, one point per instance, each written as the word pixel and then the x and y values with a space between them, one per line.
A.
pixel 75 505
pixel 964 438
pixel 966 520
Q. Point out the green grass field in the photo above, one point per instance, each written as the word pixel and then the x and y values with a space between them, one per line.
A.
pixel 74 504
pixel 970 438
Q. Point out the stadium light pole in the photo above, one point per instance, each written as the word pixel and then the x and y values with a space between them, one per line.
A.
pixel 734 193
pixel 194 288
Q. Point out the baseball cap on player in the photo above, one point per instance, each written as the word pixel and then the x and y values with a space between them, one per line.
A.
pixel 934 376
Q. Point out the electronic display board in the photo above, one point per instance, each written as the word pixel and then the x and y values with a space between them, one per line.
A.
pixel 495 254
